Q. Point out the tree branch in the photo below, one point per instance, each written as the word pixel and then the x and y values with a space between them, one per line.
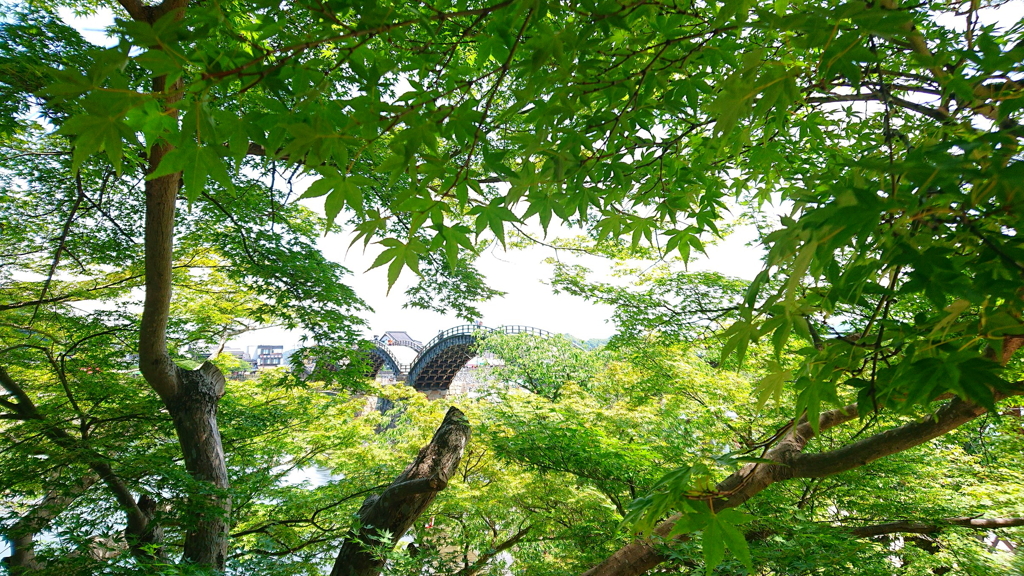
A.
pixel 143 13
pixel 311 520
pixel 61 241
pixel 135 9
pixel 950 416
pixel 138 525
pixel 639 556
pixel 21 534
pixel 24 407
pixel 908 527
pixel 933 113
pixel 414 487
pixel 384 520
pixel 481 562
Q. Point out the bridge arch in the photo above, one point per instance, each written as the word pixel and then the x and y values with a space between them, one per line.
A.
pixel 448 352
pixel 381 356
pixel 439 360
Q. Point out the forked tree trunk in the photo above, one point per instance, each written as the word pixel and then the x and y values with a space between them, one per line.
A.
pixel 191 396
pixel 401 503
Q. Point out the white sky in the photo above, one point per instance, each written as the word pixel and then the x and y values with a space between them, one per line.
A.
pixel 520 273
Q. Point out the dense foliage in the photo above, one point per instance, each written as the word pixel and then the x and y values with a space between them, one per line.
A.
pixel 853 405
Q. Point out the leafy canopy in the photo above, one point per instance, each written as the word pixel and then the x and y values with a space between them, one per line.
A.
pixel 889 135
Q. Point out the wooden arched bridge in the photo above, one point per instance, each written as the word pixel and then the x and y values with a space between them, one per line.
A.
pixel 438 361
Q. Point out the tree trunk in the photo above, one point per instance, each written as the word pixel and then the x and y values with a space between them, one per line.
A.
pixel 194 411
pixel 191 396
pixel 394 511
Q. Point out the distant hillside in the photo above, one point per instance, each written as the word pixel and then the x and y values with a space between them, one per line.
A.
pixel 592 344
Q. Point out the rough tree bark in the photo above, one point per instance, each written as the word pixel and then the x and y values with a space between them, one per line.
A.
pixel 194 411
pixel 401 503
pixel 639 556
pixel 191 396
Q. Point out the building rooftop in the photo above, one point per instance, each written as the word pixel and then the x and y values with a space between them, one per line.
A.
pixel 399 335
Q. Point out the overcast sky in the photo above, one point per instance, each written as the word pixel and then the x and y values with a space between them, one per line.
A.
pixel 521 273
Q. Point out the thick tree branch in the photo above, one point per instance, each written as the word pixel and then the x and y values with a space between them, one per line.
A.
pixel 950 416
pixel 25 407
pixel 143 13
pixel 753 478
pixel 414 487
pixel 1011 344
pixel 36 302
pixel 395 510
pixel 136 9
pixel 639 556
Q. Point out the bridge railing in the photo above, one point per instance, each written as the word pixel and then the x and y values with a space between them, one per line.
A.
pixel 414 344
pixel 518 329
pixel 463 329
pixel 473 328
pixel 383 346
